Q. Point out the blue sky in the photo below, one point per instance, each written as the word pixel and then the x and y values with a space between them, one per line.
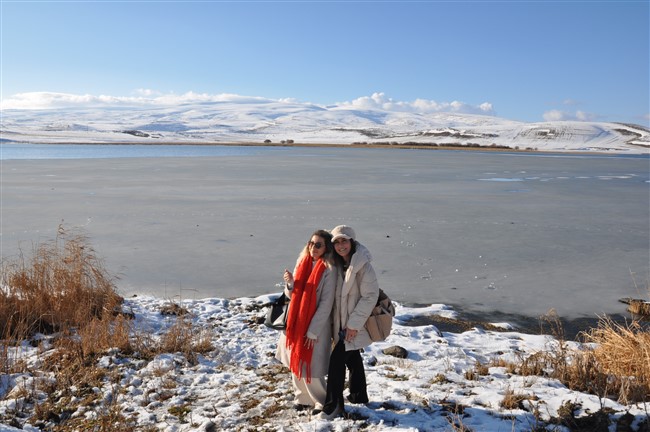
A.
pixel 523 60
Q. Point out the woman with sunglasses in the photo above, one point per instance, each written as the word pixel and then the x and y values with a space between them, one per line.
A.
pixel 357 291
pixel 304 347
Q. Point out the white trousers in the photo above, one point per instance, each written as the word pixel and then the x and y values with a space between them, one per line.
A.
pixel 312 394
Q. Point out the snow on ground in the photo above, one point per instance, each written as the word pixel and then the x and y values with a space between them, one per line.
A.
pixel 240 385
pixel 255 121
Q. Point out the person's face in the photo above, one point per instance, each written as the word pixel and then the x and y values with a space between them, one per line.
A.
pixel 316 247
pixel 342 247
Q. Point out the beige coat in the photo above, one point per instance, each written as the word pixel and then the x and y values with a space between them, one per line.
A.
pixel 320 327
pixel 356 296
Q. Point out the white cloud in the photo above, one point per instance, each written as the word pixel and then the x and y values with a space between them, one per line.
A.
pixel 48 100
pixel 151 98
pixel 486 107
pixel 144 97
pixel 557 115
pixel 379 101
pixel 585 116
pixel 289 100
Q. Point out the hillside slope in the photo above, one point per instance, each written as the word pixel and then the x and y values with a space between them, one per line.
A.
pixel 277 122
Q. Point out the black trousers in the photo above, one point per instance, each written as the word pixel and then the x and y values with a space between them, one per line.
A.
pixel 339 360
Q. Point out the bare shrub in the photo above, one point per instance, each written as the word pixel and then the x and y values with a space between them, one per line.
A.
pixel 615 364
pixel 63 285
pixel 622 353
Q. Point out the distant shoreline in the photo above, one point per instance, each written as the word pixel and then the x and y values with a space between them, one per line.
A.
pixel 276 144
pixel 496 149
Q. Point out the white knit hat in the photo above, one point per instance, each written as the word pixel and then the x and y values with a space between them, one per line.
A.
pixel 343 231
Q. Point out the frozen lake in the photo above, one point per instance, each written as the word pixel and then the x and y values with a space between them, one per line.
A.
pixel 481 231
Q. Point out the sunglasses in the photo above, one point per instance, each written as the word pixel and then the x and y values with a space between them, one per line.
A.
pixel 316 245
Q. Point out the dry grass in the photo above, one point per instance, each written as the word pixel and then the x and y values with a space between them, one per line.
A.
pixel 64 294
pixel 512 400
pixel 454 415
pixel 183 337
pixel 622 353
pixel 63 285
pixel 478 371
pixel 616 365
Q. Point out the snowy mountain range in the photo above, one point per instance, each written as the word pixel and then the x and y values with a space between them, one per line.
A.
pixel 257 120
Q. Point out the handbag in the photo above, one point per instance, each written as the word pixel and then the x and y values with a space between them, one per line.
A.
pixel 276 315
pixel 380 321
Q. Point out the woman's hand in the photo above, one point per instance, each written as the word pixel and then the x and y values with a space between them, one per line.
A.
pixel 309 342
pixel 288 277
pixel 350 334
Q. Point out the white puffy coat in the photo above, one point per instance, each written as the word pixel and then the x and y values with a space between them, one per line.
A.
pixel 356 295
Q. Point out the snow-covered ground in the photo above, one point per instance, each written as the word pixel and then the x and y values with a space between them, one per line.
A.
pixel 256 120
pixel 240 386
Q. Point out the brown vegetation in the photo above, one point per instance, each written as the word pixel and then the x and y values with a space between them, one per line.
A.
pixel 622 354
pixel 64 295
pixel 614 362
pixel 62 286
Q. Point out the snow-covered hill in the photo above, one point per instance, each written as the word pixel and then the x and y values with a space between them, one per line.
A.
pixel 258 120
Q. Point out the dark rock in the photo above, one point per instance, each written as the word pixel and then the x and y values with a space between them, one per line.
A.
pixel 396 351
pixel 173 309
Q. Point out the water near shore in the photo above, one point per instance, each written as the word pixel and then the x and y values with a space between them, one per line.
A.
pixel 483 231
pixel 111 151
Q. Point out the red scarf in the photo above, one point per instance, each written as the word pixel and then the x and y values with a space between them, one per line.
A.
pixel 301 311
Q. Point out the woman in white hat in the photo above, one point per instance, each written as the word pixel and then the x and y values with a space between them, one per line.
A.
pixel 357 291
pixel 305 345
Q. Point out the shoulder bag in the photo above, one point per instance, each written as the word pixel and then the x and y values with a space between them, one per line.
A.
pixel 380 321
pixel 276 315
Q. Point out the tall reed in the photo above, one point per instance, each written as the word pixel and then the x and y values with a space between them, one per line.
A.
pixel 614 362
pixel 622 353
pixel 63 285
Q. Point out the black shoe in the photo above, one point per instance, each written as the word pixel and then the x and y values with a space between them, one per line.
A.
pixel 357 399
pixel 337 412
pixel 301 407
pixel 316 411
